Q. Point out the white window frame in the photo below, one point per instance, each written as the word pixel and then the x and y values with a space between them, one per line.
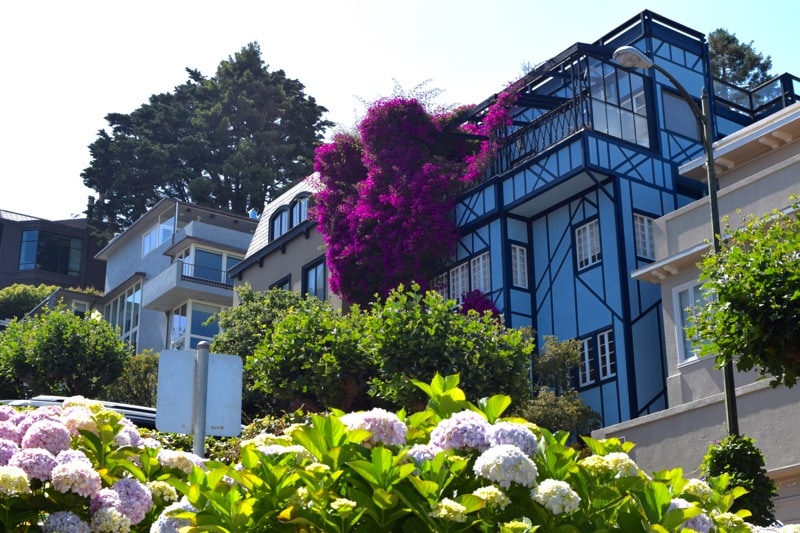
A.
pixel 439 284
pixel 125 312
pixel 606 355
pixel 159 233
pixel 459 281
pixel 519 266
pixel 588 251
pixel 480 273
pixel 694 296
pixel 586 368
pixel 643 236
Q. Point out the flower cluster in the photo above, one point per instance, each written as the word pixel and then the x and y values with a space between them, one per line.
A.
pixel 180 460
pixel 505 464
pixel 701 523
pixel 556 496
pixel 450 510
pixel 493 496
pixel 13 480
pixel 386 427
pixel 64 522
pixel 465 430
pixel 512 433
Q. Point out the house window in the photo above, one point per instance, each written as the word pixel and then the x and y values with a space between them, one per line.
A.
pixel 606 355
pixel 678 116
pixel 123 312
pixel 587 244
pixel 284 284
pixel 208 265
pixel 619 107
pixel 51 252
pixel 300 210
pixel 314 279
pixel 598 358
pixel 459 281
pixel 439 285
pixel 279 224
pixel 643 237
pixel 586 371
pixel 189 325
pixel 481 274
pixel 159 234
pixel 688 299
pixel 80 308
pixel 519 266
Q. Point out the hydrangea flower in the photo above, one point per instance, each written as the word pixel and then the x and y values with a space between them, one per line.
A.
pixel 128 435
pixel 300 498
pixel 162 492
pixel 13 480
pixel 729 521
pixel 7 449
pixel 10 431
pixel 64 522
pixel 183 461
pixel 386 427
pixel 597 465
pixel 36 462
pixel 701 523
pixel 28 418
pixel 343 506
pixel 169 524
pixel 512 433
pixel 420 453
pixel 451 510
pixel 505 464
pixel 110 520
pixel 68 456
pixel 7 413
pixel 135 499
pixel 515 526
pixel 265 439
pixel 77 477
pixel 78 418
pixel 493 496
pixel 699 489
pixel 317 468
pixel 622 464
pixel 465 430
pixel 300 452
pixel 94 406
pixel 556 496
pixel 105 497
pixel 51 435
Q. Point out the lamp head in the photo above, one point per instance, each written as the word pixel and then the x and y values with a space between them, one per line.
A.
pixel 631 57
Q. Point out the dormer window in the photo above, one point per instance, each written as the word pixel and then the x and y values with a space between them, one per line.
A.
pixel 300 210
pixel 279 224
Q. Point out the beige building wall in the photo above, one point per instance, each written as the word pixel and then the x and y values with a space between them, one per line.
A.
pixel 758 170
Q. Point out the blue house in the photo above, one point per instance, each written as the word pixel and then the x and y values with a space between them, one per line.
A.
pixel 566 213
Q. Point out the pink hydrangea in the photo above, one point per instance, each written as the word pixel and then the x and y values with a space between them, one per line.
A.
pixel 51 435
pixel 48 412
pixel 386 427
pixel 38 463
pixel 135 499
pixel 77 477
pixel 106 497
pixel 71 455
pixel 7 449
pixel 10 431
pixel 128 435
pixel 7 413
pixel 420 453
pixel 78 418
pixel 465 430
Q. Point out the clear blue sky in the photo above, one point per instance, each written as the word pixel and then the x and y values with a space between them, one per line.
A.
pixel 68 64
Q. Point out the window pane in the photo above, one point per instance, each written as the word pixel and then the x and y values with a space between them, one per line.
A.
pixel 201 313
pixel 481 273
pixel 608 361
pixel 459 281
pixel 27 252
pixel 208 265
pixel 519 266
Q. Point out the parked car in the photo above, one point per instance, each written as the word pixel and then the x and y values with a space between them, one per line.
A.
pixel 138 414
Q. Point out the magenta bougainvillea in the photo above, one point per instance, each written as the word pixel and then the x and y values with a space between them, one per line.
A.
pixel 385 207
pixel 477 301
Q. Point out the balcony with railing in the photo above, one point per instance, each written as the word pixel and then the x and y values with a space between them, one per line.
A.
pixel 777 93
pixel 183 281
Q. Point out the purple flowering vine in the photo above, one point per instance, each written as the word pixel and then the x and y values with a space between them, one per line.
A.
pixel 385 208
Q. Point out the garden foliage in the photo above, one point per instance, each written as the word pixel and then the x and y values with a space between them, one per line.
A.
pixel 453 466
pixel 753 283
pixel 318 358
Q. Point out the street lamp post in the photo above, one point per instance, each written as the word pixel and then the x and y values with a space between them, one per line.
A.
pixel 630 57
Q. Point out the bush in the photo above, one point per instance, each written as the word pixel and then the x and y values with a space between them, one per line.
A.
pixel 19 299
pixel 138 382
pixel 738 457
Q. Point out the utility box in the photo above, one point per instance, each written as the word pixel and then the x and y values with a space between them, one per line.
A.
pixel 176 389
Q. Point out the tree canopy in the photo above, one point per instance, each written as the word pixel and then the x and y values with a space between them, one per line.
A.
pixel 230 141
pixel 736 62
pixel 18 299
pixel 753 304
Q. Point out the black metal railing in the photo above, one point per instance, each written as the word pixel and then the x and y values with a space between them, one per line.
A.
pixel 777 93
pixel 205 275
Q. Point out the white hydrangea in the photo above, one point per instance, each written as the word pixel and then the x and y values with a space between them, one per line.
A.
pixel 556 496
pixel 493 496
pixel 451 510
pixel 505 464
